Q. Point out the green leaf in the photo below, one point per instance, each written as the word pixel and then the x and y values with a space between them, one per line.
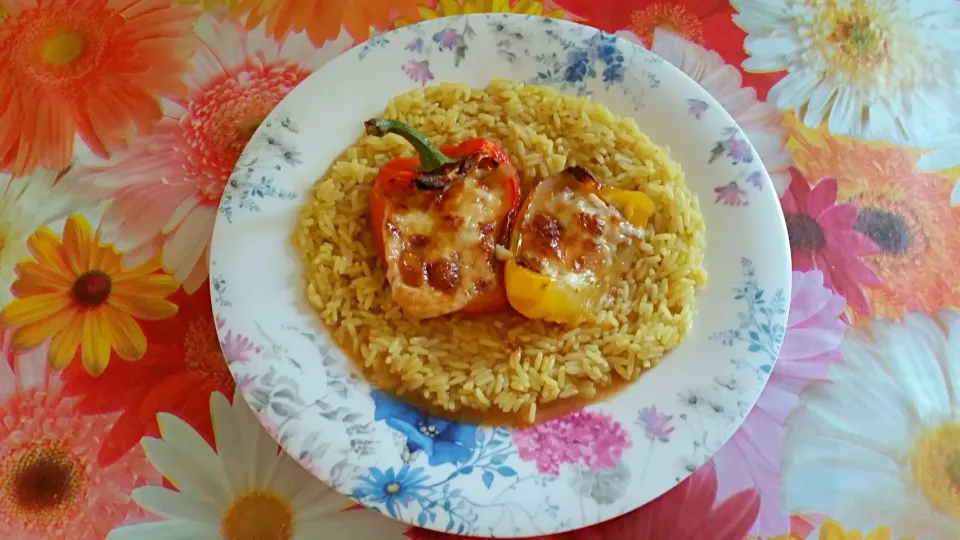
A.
pixel 487 479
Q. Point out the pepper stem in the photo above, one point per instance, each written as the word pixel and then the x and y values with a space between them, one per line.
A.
pixel 431 158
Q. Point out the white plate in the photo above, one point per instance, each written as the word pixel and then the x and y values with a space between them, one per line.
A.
pixel 642 442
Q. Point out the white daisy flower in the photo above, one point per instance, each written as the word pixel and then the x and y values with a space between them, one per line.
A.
pixel 26 204
pixel 245 490
pixel 878 69
pixel 762 123
pixel 880 443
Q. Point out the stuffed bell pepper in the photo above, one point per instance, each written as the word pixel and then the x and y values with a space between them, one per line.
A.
pixel 564 246
pixel 437 221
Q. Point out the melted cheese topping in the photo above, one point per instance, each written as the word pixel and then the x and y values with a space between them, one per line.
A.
pixel 568 233
pixel 441 244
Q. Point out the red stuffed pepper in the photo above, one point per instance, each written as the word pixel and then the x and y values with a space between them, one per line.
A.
pixel 437 221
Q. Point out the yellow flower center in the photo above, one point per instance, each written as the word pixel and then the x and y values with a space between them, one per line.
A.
pixel 258 515
pixel 936 467
pixel 858 45
pixel 64 48
pixel 669 16
pixel 861 39
pixel 92 289
pixel 41 482
pixel 392 488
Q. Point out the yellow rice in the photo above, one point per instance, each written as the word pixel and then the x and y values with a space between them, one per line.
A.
pixel 505 361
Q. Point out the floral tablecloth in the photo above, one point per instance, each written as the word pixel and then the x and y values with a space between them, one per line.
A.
pixel 121 121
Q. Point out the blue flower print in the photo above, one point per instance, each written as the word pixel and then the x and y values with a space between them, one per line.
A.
pixel 607 52
pixel 606 47
pixel 577 65
pixel 391 488
pixel 613 73
pixel 443 441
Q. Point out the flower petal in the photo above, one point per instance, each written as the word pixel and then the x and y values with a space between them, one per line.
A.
pixel 849 243
pixel 206 485
pixel 31 335
pixel 817 105
pixel 33 308
pixel 168 530
pixel 909 352
pixel 184 248
pixel 63 346
pixel 793 90
pixel 802 260
pixel 841 216
pixel 128 338
pixel 844 113
pixel 45 246
pixel 107 260
pixel 233 445
pixel 801 343
pixel 143 307
pixel 37 279
pixel 179 433
pixel 78 243
pixel 96 342
pixel 808 298
pixel 172 504
pixel 822 197
pixel 150 285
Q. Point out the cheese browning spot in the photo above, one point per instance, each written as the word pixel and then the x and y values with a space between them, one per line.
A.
pixel 447 240
pixel 569 234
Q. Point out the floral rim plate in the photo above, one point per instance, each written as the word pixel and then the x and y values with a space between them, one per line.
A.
pixel 590 466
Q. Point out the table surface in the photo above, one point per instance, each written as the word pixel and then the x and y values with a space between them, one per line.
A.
pixel 120 121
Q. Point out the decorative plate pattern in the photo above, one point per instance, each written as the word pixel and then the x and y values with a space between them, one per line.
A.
pixel 584 468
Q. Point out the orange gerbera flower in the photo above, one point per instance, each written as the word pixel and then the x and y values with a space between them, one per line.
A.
pixel 904 211
pixel 78 292
pixel 96 68
pixel 322 19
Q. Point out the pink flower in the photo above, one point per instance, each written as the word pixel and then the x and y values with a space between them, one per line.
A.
pixel 448 39
pixel 739 151
pixel 697 107
pixel 419 72
pixel 589 438
pixel 692 510
pixel 53 487
pixel 731 195
pixel 415 45
pixel 656 424
pixel 760 121
pixel 751 459
pixel 236 348
pixel 168 185
pixel 823 237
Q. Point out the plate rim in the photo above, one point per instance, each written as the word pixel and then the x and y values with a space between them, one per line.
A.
pixel 348 57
